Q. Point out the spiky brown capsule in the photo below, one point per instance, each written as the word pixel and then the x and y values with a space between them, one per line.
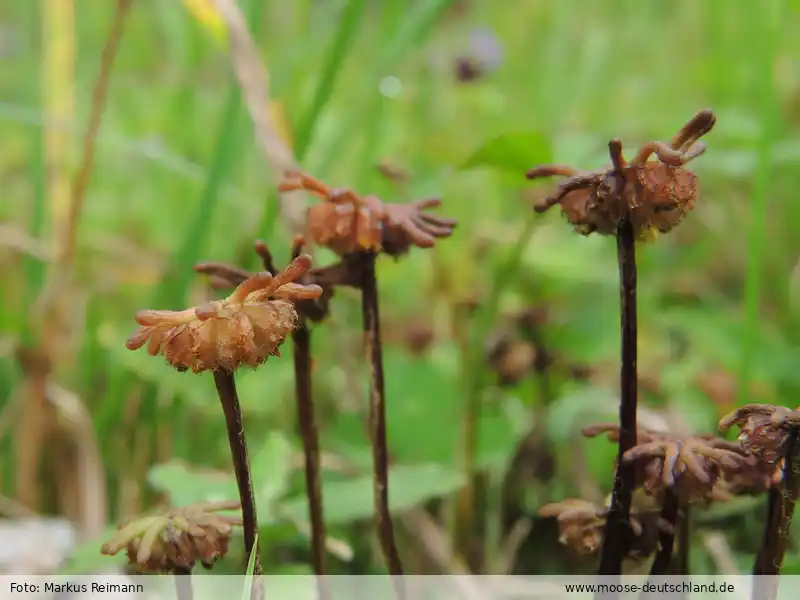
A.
pixel 346 222
pixel 245 328
pixel 177 539
pixel 764 429
pixel 689 465
pixel 654 196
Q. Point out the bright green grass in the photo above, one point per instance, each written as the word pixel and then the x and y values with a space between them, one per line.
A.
pixel 179 179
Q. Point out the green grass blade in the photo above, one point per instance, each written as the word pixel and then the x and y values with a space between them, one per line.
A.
pixel 227 150
pixel 764 53
pixel 179 275
pixel 351 18
pixel 408 35
pixel 248 576
pixel 412 31
pixel 35 268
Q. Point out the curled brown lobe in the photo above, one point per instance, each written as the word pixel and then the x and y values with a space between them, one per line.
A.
pixel 243 329
pixel 652 196
pixel 348 222
pixel 666 460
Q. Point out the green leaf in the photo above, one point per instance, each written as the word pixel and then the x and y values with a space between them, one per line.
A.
pixel 414 421
pixel 351 499
pixel 87 558
pixel 271 468
pixel 186 486
pixel 515 152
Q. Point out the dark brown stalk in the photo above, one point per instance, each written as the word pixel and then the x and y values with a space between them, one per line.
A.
pixel 183 583
pixel 662 563
pixel 377 418
pixel 666 540
pixel 226 388
pixel 308 431
pixel 684 541
pixel 616 535
pixel 778 521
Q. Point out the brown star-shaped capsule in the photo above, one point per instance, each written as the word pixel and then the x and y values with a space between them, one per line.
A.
pixel 346 222
pixel 653 195
pixel 689 465
pixel 245 328
pixel 764 429
pixel 177 539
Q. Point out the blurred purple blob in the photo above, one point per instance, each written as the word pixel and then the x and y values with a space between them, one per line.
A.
pixel 484 54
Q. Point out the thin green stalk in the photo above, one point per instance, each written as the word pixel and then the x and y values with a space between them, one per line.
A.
pixel 406 36
pixel 34 268
pixel 227 152
pixel 764 52
pixel 342 43
pixel 179 275
pixel 477 379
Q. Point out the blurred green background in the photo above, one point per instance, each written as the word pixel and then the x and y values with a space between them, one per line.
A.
pixel 178 178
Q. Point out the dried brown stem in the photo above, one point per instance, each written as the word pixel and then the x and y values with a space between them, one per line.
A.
pixel 308 430
pixel 226 388
pixel 377 418
pixel 616 534
pixel 666 539
pixel 777 524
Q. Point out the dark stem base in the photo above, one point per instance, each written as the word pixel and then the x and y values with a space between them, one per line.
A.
pixel 684 541
pixel 663 561
pixel 308 432
pixel 781 502
pixel 226 388
pixel 377 416
pixel 666 540
pixel 183 584
pixel 616 536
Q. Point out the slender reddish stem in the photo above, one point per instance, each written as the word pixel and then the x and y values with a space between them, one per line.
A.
pixel 666 540
pixel 778 521
pixel 308 431
pixel 617 535
pixel 226 388
pixel 377 417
